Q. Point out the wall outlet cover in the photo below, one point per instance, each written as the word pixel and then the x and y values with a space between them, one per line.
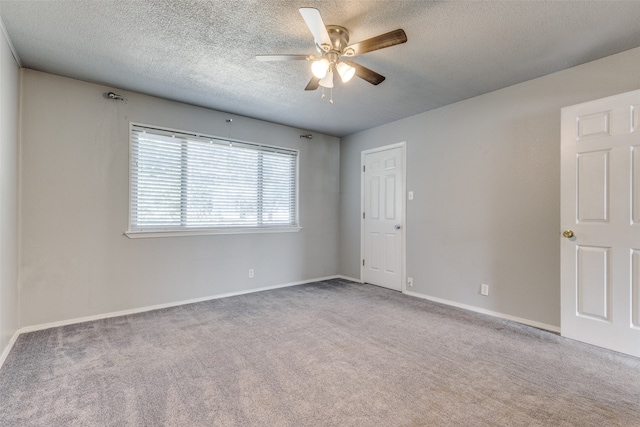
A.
pixel 484 289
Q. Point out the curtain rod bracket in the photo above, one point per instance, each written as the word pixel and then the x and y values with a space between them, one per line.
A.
pixel 115 96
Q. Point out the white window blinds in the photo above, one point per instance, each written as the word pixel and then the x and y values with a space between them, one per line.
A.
pixel 184 181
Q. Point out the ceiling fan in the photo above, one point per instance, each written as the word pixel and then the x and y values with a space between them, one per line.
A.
pixel 334 51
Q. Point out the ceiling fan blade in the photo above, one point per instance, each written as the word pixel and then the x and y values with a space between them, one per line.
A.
pixel 314 21
pixel 389 39
pixel 366 74
pixel 313 84
pixel 282 57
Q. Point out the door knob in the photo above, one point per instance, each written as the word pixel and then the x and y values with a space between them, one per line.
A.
pixel 397 227
pixel 568 234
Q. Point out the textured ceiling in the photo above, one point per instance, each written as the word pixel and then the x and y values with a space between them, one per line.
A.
pixel 203 52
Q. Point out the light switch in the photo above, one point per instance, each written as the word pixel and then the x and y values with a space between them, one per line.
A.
pixel 410 195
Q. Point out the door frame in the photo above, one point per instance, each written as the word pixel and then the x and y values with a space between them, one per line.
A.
pixel 403 230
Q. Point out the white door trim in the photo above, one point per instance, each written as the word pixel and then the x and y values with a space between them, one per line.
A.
pixel 403 230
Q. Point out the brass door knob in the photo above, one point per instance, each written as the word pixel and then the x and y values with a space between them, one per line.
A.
pixel 568 234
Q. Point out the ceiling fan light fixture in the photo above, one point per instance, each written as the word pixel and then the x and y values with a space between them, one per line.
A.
pixel 332 43
pixel 320 68
pixel 346 71
pixel 327 81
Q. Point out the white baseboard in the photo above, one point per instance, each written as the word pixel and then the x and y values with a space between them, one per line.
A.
pixel 43 326
pixel 7 350
pixel 527 322
pixel 353 279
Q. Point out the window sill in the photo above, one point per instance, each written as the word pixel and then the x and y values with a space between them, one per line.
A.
pixel 208 232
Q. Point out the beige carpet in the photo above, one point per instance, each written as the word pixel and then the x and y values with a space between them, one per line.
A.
pixel 333 353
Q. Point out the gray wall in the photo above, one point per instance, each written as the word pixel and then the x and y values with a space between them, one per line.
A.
pixel 76 262
pixel 485 173
pixel 486 178
pixel 9 92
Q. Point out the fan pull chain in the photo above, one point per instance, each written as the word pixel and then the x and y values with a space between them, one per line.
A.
pixel 330 95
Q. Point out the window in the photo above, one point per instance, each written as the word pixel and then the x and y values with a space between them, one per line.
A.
pixel 186 182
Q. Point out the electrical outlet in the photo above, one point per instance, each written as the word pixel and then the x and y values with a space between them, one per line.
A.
pixel 409 281
pixel 251 273
pixel 484 290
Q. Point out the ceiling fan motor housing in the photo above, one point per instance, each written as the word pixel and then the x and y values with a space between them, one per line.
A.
pixel 339 39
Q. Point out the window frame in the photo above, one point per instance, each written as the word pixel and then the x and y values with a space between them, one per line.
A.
pixel 200 231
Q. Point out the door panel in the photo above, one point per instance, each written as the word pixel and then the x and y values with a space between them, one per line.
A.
pixel 374 197
pixel 635 184
pixel 600 203
pixel 593 186
pixel 635 288
pixel 390 245
pixel 374 253
pixel 593 125
pixel 592 284
pixel 382 245
pixel 390 196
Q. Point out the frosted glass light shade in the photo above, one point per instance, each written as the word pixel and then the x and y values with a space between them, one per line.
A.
pixel 346 72
pixel 319 68
pixel 327 81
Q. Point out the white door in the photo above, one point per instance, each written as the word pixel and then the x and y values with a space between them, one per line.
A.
pixel 600 251
pixel 383 217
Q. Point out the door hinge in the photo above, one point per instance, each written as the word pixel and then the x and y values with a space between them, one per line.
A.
pixel 363 168
pixel 363 263
pixel 362 215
